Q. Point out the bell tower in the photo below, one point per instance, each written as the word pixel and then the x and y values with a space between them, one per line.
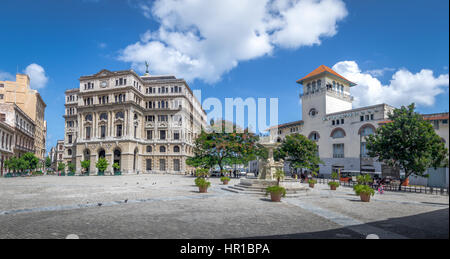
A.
pixel 325 92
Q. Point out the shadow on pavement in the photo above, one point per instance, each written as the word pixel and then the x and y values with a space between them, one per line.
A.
pixel 430 225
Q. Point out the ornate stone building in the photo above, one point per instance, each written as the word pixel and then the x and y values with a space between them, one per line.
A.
pixel 144 123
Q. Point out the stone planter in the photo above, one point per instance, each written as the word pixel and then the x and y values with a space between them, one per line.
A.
pixel 365 197
pixel 203 189
pixel 311 185
pixel 225 182
pixel 276 197
pixel 333 188
pixel 101 174
pixel 117 173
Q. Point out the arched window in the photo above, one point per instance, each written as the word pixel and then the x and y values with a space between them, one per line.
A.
pixel 162 149
pixel 314 136
pixel 135 116
pixel 88 117
pixel 69 152
pixel 309 88
pixel 314 87
pixel 338 133
pixel 176 149
pixel 149 149
pixel 313 113
pixel 367 130
pixel 120 115
pixel 104 116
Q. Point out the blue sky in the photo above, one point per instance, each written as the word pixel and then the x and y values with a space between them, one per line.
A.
pixel 396 47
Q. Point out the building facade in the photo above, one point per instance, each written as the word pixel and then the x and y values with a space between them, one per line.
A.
pixel 7 142
pixel 339 130
pixel 30 102
pixel 143 123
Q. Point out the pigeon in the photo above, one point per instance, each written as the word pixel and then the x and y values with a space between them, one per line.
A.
pixel 126 200
pixel 100 204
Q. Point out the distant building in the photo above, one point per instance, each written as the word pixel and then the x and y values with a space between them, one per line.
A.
pixel 144 123
pixel 31 103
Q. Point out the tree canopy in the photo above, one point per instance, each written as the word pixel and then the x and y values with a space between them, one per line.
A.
pixel 409 143
pixel 300 152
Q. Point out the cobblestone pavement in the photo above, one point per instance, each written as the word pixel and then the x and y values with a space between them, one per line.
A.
pixel 165 206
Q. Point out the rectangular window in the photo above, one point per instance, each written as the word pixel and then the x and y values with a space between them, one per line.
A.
pixel 149 134
pixel 103 131
pixel 338 151
pixel 119 131
pixel 162 135
pixel 162 165
pixel 342 121
pixel 88 132
pixel 333 123
pixel 176 136
pixel 364 151
pixel 149 165
pixel 445 122
pixel 1 96
pixel 176 165
pixel 372 117
pixel 362 118
pixel 70 139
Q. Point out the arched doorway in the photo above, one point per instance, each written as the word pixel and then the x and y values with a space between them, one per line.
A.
pixel 117 157
pixel 86 155
pixel 101 153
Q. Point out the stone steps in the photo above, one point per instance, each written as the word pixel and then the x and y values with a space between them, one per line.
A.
pixel 253 190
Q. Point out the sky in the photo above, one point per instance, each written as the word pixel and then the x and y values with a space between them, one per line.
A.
pixel 396 51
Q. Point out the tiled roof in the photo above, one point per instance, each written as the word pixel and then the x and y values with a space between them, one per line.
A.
pixel 428 117
pixel 324 69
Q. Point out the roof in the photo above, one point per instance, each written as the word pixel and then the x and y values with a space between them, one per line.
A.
pixel 428 117
pixel 324 70
pixel 286 125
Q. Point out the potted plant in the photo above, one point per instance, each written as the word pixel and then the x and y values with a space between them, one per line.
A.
pixel 312 182
pixel 225 180
pixel 101 165
pixel 364 191
pixel 276 192
pixel 334 185
pixel 202 184
pixel 86 165
pixel 116 167
pixel 61 168
pixel 71 168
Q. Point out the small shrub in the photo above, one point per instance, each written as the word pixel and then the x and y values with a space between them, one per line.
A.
pixel 363 189
pixel 276 189
pixel 201 172
pixel 335 184
pixel 202 183
pixel 312 181
pixel 223 179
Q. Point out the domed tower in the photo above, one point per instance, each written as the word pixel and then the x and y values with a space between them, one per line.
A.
pixel 325 92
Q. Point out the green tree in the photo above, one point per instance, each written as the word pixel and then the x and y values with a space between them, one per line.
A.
pixel 71 167
pixel 61 167
pixel 219 148
pixel 102 164
pixel 30 161
pixel 48 162
pixel 86 165
pixel 409 143
pixel 300 152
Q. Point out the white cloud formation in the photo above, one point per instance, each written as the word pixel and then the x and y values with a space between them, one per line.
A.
pixel 203 39
pixel 404 88
pixel 38 79
pixel 5 76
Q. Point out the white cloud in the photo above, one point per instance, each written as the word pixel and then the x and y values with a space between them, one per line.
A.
pixel 203 39
pixel 38 79
pixel 5 76
pixel 404 88
pixel 380 72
